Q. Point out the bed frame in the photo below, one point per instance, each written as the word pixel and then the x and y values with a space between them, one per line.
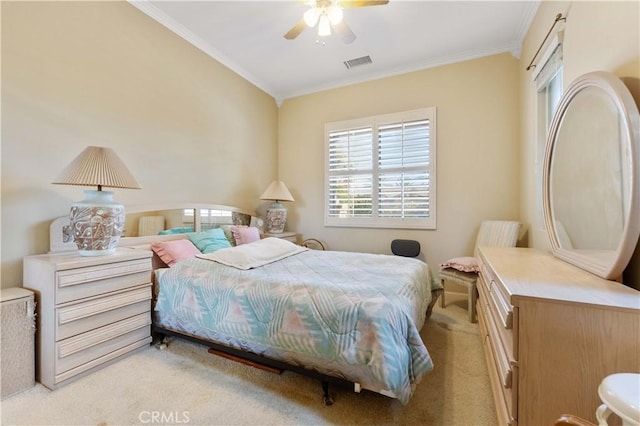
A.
pixel 254 360
pixel 161 335
pixel 60 241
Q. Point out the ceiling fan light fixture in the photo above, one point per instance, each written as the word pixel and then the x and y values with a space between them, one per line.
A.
pixel 324 27
pixel 311 16
pixel 335 14
pixel 328 13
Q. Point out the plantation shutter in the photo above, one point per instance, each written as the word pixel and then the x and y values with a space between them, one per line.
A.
pixel 403 160
pixel 350 170
pixel 380 171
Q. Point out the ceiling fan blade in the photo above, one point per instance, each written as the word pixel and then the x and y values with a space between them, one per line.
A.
pixel 362 3
pixel 296 30
pixel 344 32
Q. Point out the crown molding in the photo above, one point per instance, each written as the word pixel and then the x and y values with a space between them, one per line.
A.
pixel 158 15
pixel 420 66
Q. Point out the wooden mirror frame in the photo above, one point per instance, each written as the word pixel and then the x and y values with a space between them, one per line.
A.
pixel 608 264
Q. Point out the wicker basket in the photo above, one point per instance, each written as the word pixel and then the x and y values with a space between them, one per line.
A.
pixel 17 340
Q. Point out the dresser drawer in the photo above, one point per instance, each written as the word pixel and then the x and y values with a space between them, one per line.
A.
pixel 499 349
pixel 79 317
pixel 482 305
pixel 503 398
pixel 501 357
pixel 99 362
pixel 86 347
pixel 500 331
pixel 503 314
pixel 94 280
pixel 499 297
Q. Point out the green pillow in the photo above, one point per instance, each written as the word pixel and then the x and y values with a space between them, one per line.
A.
pixel 210 240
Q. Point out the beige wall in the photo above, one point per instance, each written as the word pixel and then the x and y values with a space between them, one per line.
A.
pixel 102 73
pixel 78 73
pixel 598 36
pixel 477 153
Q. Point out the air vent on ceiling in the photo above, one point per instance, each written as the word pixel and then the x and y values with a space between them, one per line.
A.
pixel 357 62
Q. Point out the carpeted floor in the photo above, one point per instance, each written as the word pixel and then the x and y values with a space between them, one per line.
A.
pixel 184 384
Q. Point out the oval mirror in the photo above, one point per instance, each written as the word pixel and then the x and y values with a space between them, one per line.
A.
pixel 590 178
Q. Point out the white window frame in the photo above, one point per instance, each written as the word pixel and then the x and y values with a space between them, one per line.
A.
pixel 548 78
pixel 374 123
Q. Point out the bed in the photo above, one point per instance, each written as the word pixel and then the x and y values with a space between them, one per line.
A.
pixel 342 317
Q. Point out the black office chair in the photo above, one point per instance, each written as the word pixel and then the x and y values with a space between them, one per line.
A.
pixel 406 248
pixel 411 248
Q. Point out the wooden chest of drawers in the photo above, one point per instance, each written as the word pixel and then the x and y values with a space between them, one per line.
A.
pixel 551 333
pixel 91 310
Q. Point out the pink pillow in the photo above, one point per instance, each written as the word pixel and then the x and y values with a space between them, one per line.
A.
pixel 463 264
pixel 245 234
pixel 174 251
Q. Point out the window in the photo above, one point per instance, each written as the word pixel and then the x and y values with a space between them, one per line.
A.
pixel 380 171
pixel 208 218
pixel 549 87
pixel 549 84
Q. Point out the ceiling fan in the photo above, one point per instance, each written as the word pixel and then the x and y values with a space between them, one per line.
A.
pixel 327 14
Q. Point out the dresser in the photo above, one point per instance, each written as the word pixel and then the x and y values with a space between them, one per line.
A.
pixel 90 310
pixel 551 332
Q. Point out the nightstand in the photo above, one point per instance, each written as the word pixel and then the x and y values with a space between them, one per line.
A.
pixel 91 310
pixel 289 236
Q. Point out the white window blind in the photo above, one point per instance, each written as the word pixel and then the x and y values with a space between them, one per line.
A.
pixel 381 171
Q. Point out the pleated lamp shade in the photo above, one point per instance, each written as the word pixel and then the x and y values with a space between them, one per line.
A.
pixel 277 191
pixel 97 222
pixel 97 166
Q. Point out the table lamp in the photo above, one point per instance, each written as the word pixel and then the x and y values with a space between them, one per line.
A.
pixel 97 221
pixel 276 214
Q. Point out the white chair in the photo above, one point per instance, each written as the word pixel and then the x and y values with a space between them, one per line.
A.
pixel 464 270
pixel 620 395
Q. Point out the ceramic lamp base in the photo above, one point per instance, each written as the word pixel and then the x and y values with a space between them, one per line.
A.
pixel 97 223
pixel 276 218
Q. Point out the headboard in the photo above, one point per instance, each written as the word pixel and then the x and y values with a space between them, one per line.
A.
pixel 176 220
